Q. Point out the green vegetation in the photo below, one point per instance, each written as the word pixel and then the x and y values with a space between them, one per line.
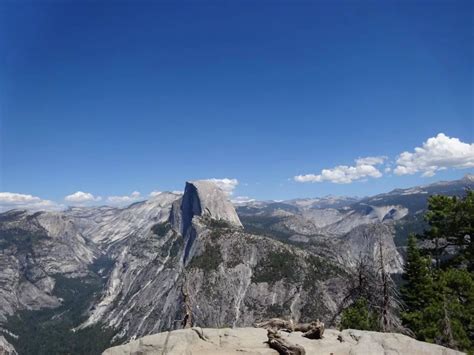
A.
pixel 451 222
pixel 267 226
pixel 172 246
pixel 160 229
pixel 209 260
pixel 439 297
pixel 277 265
pixel 215 223
pixel 217 226
pixel 218 223
pixel 418 289
pixel 178 243
pixel 314 308
pixel 22 239
pixel 215 234
pixel 48 331
pixel 319 270
pixel 234 258
pixel 406 226
pixel 359 316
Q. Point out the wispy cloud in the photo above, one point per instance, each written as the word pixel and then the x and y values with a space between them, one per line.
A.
pixel 242 199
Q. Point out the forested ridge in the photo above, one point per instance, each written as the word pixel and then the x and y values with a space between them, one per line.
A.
pixel 435 302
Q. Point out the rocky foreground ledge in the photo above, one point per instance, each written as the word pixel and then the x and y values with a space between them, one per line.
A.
pixel 252 341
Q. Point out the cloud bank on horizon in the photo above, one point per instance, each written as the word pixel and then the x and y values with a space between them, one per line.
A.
pixel 437 153
pixel 10 200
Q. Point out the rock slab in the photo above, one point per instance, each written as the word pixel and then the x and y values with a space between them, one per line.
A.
pixel 252 341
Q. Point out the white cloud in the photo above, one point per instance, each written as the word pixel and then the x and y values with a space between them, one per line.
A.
pixel 124 200
pixel 242 199
pixel 11 200
pixel 343 174
pixel 226 185
pixel 437 153
pixel 154 193
pixel 82 197
pixel 371 160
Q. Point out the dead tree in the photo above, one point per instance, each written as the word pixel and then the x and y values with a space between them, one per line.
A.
pixel 389 303
pixel 448 330
pixel 360 284
pixel 385 321
pixel 372 282
pixel 275 341
pixel 187 321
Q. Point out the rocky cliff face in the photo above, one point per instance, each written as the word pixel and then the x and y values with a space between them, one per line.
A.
pixel 368 241
pixel 204 198
pixel 251 341
pixel 289 259
pixel 37 247
pixel 344 236
pixel 347 228
pixel 106 226
pixel 33 249
pixel 228 276
pixel 6 348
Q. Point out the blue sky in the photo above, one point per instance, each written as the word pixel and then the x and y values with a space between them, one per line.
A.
pixel 111 97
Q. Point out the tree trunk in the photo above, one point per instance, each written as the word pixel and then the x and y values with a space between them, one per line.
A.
pixel 188 313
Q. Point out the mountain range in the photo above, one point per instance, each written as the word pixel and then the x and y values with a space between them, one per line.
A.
pixel 133 271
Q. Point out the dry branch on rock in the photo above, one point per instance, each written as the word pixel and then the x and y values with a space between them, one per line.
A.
pixel 275 341
pixel 313 330
pixel 277 324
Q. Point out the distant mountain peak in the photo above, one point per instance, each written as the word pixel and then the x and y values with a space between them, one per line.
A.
pixel 204 198
pixel 468 177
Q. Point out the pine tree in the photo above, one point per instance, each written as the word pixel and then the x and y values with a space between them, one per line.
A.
pixel 439 301
pixel 417 291
pixel 451 223
pixel 359 316
pixel 455 296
